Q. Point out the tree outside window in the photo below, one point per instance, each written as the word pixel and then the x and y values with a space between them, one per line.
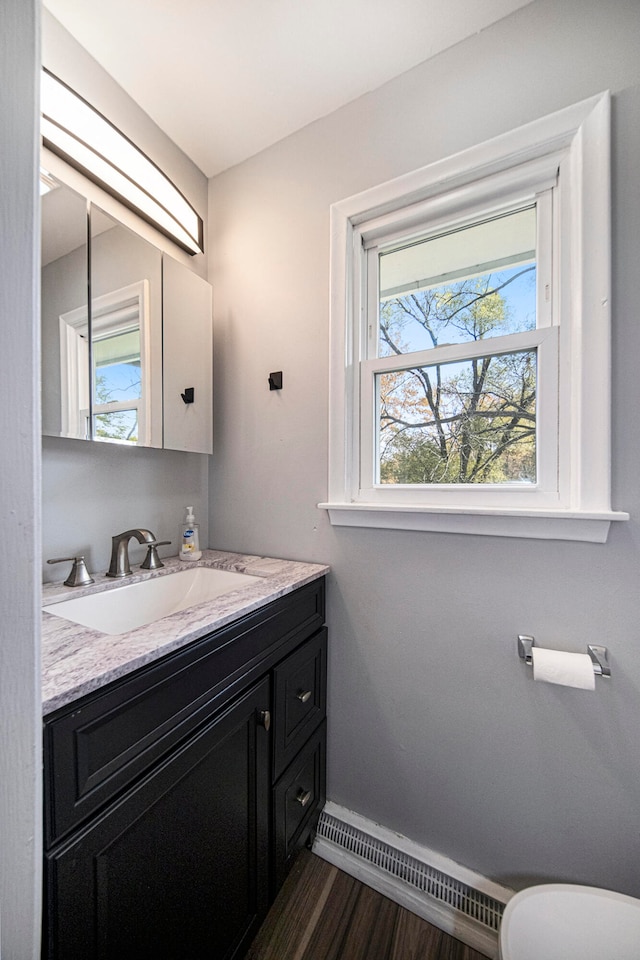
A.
pixel 472 421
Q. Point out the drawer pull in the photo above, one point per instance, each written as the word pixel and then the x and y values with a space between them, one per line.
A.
pixel 264 719
pixel 303 797
pixel 304 696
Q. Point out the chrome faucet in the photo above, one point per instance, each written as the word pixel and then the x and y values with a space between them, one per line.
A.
pixel 119 566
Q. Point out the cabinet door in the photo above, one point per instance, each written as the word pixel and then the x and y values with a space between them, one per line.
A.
pixel 188 359
pixel 178 868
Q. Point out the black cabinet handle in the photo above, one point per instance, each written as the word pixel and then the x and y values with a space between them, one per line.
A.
pixel 303 796
pixel 303 696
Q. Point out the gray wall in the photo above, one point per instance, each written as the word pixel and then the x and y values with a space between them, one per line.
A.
pixel 20 784
pixel 436 729
pixel 92 491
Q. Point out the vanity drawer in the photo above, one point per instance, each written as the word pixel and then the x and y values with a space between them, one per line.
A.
pixel 104 742
pixel 300 699
pixel 299 797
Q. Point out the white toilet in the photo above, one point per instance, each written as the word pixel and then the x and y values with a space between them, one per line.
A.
pixel 559 921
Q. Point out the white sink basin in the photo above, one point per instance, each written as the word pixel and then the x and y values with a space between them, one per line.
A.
pixel 136 604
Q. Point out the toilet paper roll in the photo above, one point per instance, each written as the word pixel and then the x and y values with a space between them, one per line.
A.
pixel 567 669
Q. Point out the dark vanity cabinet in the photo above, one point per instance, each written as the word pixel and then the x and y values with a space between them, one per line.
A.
pixel 177 797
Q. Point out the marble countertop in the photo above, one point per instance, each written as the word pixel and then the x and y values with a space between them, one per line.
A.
pixel 77 660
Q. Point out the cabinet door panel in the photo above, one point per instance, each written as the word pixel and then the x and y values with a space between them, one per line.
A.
pixel 178 867
pixel 126 334
pixel 188 359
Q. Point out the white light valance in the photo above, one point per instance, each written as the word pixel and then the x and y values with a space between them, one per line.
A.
pixel 74 130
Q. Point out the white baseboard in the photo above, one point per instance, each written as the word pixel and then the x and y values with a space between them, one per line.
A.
pixel 464 904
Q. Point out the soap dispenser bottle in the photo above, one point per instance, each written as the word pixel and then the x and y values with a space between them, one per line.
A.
pixel 190 538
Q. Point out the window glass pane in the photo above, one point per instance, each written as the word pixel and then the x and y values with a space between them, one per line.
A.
pixel 117 425
pixel 117 366
pixel 472 421
pixel 468 284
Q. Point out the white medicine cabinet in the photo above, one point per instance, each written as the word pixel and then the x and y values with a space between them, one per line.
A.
pixel 127 350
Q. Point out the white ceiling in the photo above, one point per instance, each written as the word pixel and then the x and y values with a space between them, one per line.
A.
pixel 227 78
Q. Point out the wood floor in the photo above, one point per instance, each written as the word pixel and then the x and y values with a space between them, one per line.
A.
pixel 322 913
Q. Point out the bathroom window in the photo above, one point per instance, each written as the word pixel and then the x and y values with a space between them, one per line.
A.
pixel 115 406
pixel 120 347
pixel 470 340
pixel 118 386
pixel 454 375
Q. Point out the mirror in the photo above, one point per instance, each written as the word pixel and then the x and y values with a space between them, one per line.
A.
pixel 126 334
pixel 65 327
pixel 135 369
pixel 188 359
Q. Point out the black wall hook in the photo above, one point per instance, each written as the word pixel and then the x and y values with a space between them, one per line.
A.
pixel 188 395
pixel 275 380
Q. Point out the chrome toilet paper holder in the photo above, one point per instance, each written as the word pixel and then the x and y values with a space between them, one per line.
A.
pixel 599 655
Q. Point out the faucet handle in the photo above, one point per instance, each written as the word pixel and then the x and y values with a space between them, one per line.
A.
pixel 79 576
pixel 152 561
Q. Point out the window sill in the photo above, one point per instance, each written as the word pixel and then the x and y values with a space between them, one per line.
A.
pixel 586 526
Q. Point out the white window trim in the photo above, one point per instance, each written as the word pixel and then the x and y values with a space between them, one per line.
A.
pixel 74 373
pixel 576 138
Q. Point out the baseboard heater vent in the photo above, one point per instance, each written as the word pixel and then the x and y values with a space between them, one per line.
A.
pixel 456 896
